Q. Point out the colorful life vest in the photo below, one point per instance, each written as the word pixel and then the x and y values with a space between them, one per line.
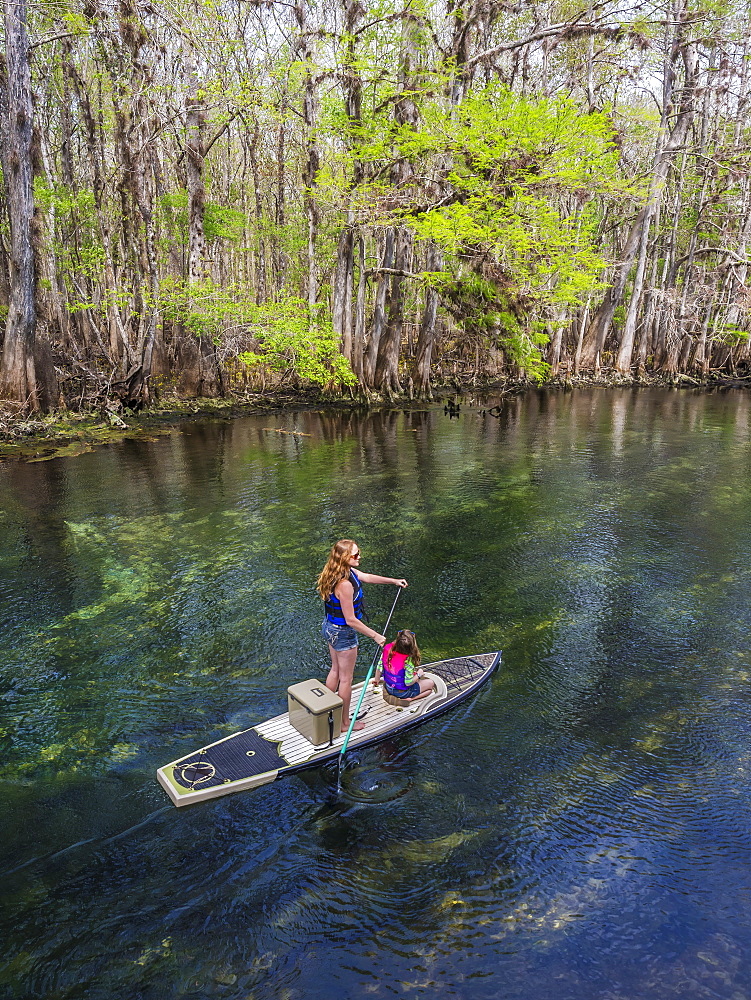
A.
pixel 333 607
pixel 394 676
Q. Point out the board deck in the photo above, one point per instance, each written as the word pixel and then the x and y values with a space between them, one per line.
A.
pixel 274 748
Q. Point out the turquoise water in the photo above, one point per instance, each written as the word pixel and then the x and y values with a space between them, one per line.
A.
pixel 579 830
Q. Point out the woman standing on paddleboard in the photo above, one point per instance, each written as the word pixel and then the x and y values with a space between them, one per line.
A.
pixel 340 587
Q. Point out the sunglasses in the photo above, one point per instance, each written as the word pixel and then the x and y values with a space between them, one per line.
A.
pixel 405 631
pixel 355 555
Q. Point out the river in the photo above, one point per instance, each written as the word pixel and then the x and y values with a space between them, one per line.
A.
pixel 578 830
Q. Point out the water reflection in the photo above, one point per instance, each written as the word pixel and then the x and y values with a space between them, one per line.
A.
pixel 581 825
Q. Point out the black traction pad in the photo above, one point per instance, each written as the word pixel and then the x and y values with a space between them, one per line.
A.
pixel 240 756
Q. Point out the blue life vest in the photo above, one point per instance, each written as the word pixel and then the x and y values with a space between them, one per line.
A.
pixel 333 606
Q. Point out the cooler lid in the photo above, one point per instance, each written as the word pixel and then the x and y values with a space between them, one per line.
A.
pixel 314 695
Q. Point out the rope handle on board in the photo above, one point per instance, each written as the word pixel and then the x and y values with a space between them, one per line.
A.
pixel 367 678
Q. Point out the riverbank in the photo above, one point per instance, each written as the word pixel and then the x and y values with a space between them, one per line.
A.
pixel 66 434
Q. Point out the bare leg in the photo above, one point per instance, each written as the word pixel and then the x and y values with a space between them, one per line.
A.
pixel 427 686
pixel 332 678
pixel 341 676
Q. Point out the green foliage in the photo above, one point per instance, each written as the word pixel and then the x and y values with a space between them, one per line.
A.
pixel 288 342
pixel 75 238
pixel 517 209
pixel 205 309
pixel 220 224
pixel 277 336
pixel 486 310
pixel 518 232
pixel 65 202
pixel 732 335
pixel 226 224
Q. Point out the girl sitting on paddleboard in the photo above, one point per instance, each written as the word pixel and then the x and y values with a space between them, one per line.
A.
pixel 400 664
pixel 340 587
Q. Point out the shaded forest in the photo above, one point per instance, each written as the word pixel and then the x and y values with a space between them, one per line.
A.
pixel 371 198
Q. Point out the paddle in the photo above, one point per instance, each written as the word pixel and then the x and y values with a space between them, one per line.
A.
pixel 362 693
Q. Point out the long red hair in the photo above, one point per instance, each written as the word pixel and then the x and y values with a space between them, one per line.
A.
pixel 337 567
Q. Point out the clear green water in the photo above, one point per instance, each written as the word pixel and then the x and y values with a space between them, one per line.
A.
pixel 580 830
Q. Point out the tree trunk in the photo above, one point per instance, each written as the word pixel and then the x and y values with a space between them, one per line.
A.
pixel 281 201
pixel 313 159
pixel 341 291
pixel 556 345
pixel 405 114
pixel 594 341
pixel 342 317
pixel 17 371
pixel 138 129
pixel 119 349
pixel 387 364
pixel 671 262
pixel 195 124
pixel 261 270
pixel 426 337
pixel 379 310
pixel 358 339
pixel 208 380
pixel 626 348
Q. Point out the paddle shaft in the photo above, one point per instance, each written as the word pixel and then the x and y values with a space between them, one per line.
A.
pixel 367 679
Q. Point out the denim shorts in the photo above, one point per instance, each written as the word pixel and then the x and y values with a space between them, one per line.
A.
pixel 339 637
pixel 411 692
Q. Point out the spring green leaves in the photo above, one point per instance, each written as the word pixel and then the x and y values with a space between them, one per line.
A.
pixel 274 336
pixel 511 189
pixel 517 218
pixel 288 341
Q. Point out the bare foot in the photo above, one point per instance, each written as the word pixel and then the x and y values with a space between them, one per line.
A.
pixel 356 728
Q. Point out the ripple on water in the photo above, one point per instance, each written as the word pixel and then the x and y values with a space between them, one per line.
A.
pixel 372 784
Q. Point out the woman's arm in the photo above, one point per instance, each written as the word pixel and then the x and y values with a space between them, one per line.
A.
pixel 372 578
pixel 346 592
